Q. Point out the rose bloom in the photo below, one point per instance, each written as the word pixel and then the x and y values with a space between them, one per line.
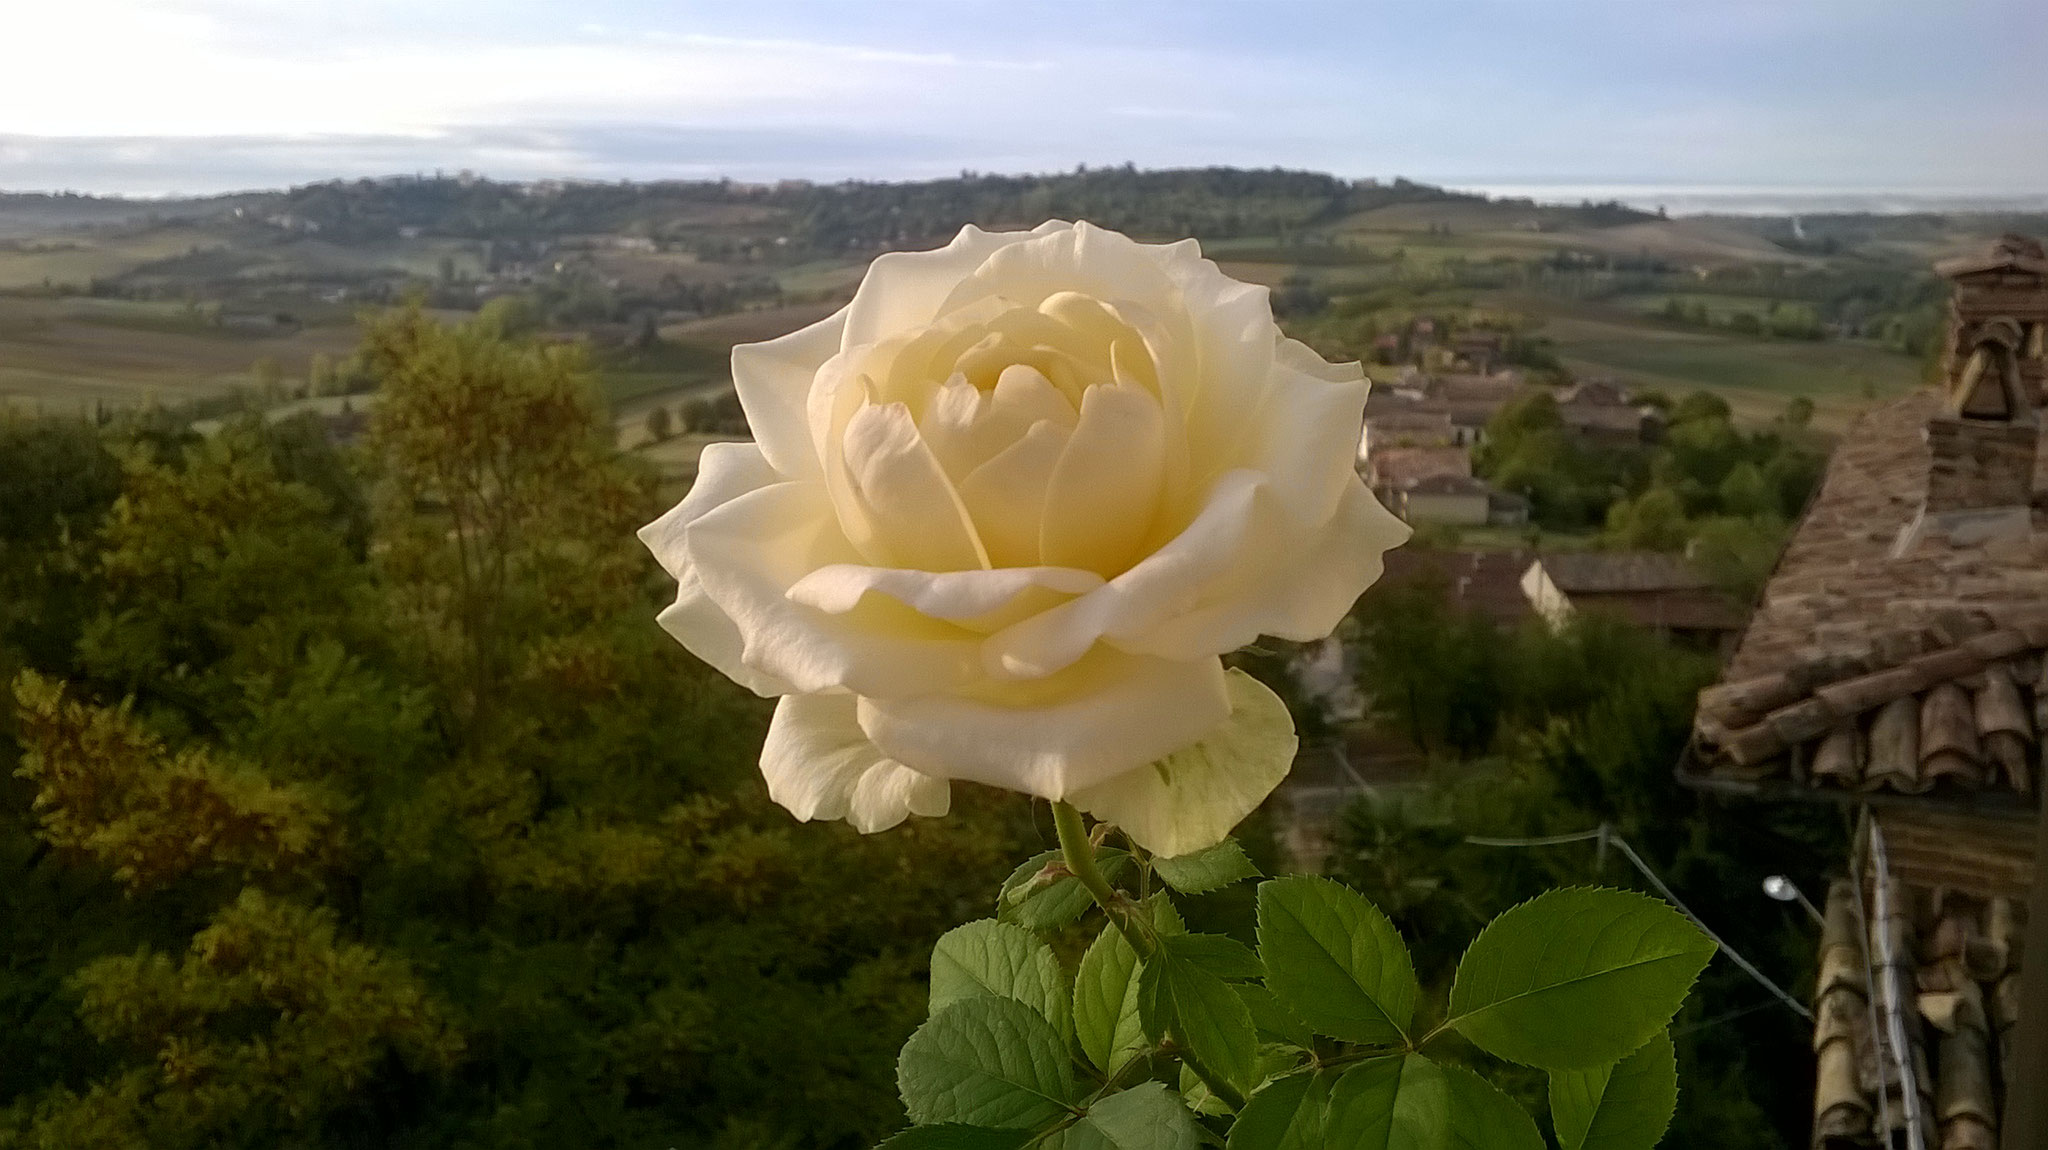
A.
pixel 1003 514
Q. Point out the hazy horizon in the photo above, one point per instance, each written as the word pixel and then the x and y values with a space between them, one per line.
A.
pixel 1708 102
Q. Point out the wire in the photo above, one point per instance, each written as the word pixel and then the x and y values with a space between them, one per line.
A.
pixel 1730 1016
pixel 1605 836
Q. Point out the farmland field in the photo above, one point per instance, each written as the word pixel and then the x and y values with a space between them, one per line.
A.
pixel 67 354
pixel 1757 376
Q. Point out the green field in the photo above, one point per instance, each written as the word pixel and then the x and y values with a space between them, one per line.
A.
pixel 1757 376
pixel 71 353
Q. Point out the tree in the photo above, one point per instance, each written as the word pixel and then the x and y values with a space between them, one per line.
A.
pixel 1589 720
pixel 320 375
pixel 425 835
pixel 1653 520
pixel 659 424
pixel 268 375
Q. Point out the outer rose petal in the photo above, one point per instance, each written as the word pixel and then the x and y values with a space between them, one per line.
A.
pixel 1101 718
pixel 819 765
pixel 726 472
pixel 1246 567
pixel 774 384
pixel 751 551
pixel 903 291
pixel 1190 800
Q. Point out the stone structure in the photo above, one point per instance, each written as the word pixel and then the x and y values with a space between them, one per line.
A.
pixel 1895 664
pixel 1982 442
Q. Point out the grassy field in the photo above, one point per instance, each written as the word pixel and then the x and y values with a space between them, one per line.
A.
pixel 80 257
pixel 1757 376
pixel 67 354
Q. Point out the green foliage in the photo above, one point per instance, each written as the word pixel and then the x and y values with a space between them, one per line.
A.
pixel 1206 870
pixel 1182 1039
pixel 351 798
pixel 1586 723
pixel 1336 961
pixel 986 1061
pixel 1621 1106
pixel 995 958
pixel 1654 496
pixel 1043 894
pixel 1576 979
pixel 1483 1118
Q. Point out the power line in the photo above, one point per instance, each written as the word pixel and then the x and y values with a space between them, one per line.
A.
pixel 1606 836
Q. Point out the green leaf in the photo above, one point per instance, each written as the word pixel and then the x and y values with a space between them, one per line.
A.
pixel 986 1061
pixel 1576 979
pixel 1043 895
pixel 1275 1060
pixel 1397 1103
pixel 1200 1010
pixel 1272 1018
pixel 1106 1022
pixel 1145 1117
pixel 955 1136
pixel 1482 1118
pixel 996 958
pixel 1286 1115
pixel 1333 959
pixel 1222 956
pixel 1622 1107
pixel 1206 870
pixel 1393 1103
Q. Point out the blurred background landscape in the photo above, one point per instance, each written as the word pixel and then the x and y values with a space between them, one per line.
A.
pixel 349 795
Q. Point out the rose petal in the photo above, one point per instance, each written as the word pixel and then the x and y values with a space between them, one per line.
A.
pixel 1082 259
pixel 1191 799
pixel 726 471
pixel 917 516
pixel 1101 717
pixel 774 384
pixel 1302 601
pixel 1307 429
pixel 906 290
pixel 748 553
pixel 1006 496
pixel 1220 584
pixel 1104 495
pixel 948 595
pixel 819 765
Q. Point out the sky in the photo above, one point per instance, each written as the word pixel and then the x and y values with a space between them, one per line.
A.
pixel 1938 97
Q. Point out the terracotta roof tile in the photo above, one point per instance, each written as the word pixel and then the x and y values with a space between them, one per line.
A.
pixel 1943 633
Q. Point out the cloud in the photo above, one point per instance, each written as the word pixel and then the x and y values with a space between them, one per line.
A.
pixel 266 91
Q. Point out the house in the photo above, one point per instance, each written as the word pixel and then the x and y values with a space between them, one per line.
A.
pixel 1648 588
pixel 1506 509
pixel 1391 469
pixel 1479 351
pixel 1484 582
pixel 1599 411
pixel 1413 427
pixel 1449 500
pixel 1895 668
pixel 1471 401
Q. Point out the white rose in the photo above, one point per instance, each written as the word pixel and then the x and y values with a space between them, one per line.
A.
pixel 1003 514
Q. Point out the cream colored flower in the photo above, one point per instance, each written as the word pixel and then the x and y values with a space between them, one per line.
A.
pixel 1003 514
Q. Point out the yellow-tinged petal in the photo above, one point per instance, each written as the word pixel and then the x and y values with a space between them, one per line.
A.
pixel 1099 718
pixel 917 515
pixel 819 765
pixel 1190 799
pixel 1104 495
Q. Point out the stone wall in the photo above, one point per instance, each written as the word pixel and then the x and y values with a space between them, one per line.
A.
pixel 1979 465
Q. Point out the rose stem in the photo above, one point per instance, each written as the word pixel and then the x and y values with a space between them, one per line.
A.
pixel 1079 850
